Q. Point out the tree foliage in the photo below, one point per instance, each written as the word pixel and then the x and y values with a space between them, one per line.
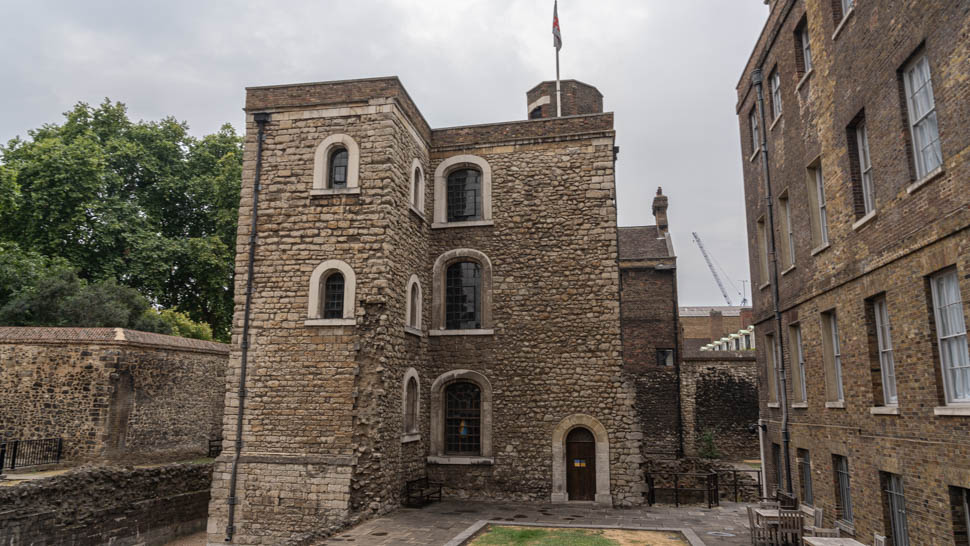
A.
pixel 144 204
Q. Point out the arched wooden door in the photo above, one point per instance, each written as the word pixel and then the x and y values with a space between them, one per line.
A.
pixel 581 464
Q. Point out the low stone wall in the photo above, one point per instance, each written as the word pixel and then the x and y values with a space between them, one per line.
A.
pixel 107 505
pixel 719 395
pixel 111 392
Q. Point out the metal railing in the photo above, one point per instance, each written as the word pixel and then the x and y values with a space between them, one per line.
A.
pixel 737 486
pixel 20 453
pixel 684 487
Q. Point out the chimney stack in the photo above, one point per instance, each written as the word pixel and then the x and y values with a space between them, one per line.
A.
pixel 660 212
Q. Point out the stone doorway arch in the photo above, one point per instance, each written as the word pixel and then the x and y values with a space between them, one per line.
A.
pixel 559 435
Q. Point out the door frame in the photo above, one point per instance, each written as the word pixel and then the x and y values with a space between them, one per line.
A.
pixel 559 492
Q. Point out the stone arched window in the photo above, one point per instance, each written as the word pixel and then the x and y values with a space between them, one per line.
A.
pixel 336 166
pixel 412 308
pixel 462 192
pixel 461 303
pixel 417 188
pixel 333 287
pixel 461 418
pixel 602 456
pixel 411 407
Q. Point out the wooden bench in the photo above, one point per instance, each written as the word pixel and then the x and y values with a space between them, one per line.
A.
pixel 419 492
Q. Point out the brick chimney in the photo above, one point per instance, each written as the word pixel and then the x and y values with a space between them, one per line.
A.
pixel 660 212
pixel 747 317
pixel 717 325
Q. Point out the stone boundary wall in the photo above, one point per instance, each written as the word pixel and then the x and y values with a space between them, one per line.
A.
pixel 719 394
pixel 111 392
pixel 107 505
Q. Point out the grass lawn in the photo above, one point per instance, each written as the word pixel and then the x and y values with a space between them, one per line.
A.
pixel 547 536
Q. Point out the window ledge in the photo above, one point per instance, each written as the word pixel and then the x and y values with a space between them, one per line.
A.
pixel 471 332
pixel 335 191
pixel 330 322
pixel 955 411
pixel 467 223
pixel 802 81
pixel 413 331
pixel 838 404
pixel 884 410
pixel 864 220
pixel 775 122
pixel 819 250
pixel 410 437
pixel 755 154
pixel 845 526
pixel 845 18
pixel 462 460
pixel 765 285
pixel 789 270
pixel 800 405
pixel 417 213
pixel 930 176
pixel 774 405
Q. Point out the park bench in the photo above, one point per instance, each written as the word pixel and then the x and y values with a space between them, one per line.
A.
pixel 419 492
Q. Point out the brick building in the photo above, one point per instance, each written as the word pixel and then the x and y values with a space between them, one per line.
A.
pixel 457 303
pixel 703 324
pixel 864 139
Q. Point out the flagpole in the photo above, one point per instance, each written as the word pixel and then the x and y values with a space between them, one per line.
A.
pixel 558 90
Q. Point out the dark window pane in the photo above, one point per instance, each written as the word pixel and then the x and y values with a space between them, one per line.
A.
pixel 415 306
pixel 333 296
pixel 536 113
pixel 410 418
pixel 338 169
pixel 464 195
pixel 463 419
pixel 463 289
pixel 416 188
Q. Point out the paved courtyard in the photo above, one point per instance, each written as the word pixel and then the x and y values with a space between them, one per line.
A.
pixel 439 523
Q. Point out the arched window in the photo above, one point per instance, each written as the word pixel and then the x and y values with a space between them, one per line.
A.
pixel 463 296
pixel 464 195
pixel 412 308
pixel 411 406
pixel 337 178
pixel 415 306
pixel 333 296
pixel 463 406
pixel 415 190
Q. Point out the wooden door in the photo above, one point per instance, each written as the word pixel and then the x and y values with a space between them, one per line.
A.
pixel 581 465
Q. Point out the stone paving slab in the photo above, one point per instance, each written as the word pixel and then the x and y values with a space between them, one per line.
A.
pixel 439 523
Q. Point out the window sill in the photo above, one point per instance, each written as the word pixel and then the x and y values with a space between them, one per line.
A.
pixel 413 331
pixel 845 526
pixel 410 437
pixel 930 176
pixel 858 224
pixel 765 285
pixel 417 213
pixel 468 223
pixel 789 270
pixel 775 122
pixel 474 332
pixel 839 404
pixel 335 191
pixel 821 249
pixel 330 322
pixel 884 410
pixel 953 411
pixel 755 154
pixel 845 18
pixel 799 405
pixel 802 81
pixel 460 460
pixel 774 405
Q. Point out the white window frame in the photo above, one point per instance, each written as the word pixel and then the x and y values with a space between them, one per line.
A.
pixel 836 356
pixel 806 49
pixel 409 326
pixel 800 355
pixel 844 487
pixel 790 232
pixel 954 337
pixel 885 345
pixel 922 143
pixel 441 190
pixel 417 191
pixel 775 94
pixel 896 496
pixel 865 167
pixel 773 395
pixel 823 220
pixel 314 317
pixel 321 165
pixel 847 6
pixel 755 132
pixel 414 433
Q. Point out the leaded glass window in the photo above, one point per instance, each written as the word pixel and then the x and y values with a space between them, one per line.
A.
pixel 463 293
pixel 333 296
pixel 463 407
pixel 464 195
pixel 338 169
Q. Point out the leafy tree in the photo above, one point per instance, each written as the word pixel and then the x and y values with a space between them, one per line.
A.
pixel 183 326
pixel 142 203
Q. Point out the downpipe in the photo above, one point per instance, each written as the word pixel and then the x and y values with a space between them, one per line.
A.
pixel 261 119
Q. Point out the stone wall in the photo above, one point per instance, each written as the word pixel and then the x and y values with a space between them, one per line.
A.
pixel 720 396
pixel 111 392
pixel 91 506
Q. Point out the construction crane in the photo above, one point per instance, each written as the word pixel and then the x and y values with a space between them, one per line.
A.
pixel 710 265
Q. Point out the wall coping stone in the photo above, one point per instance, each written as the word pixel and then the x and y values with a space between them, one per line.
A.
pixel 16 335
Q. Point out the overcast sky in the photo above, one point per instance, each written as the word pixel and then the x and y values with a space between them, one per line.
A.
pixel 667 68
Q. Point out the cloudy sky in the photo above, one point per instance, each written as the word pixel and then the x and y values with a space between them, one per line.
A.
pixel 667 68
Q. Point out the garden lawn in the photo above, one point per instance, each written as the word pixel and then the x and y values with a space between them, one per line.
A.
pixel 550 536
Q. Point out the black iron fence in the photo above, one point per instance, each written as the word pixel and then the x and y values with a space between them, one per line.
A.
pixel 683 488
pixel 20 453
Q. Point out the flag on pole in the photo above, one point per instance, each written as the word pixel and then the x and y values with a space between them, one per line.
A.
pixel 556 37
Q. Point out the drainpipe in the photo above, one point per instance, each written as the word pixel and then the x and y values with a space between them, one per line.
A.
pixel 260 120
pixel 762 426
pixel 677 363
pixel 756 79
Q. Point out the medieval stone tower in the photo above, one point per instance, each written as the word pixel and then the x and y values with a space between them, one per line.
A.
pixel 441 302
